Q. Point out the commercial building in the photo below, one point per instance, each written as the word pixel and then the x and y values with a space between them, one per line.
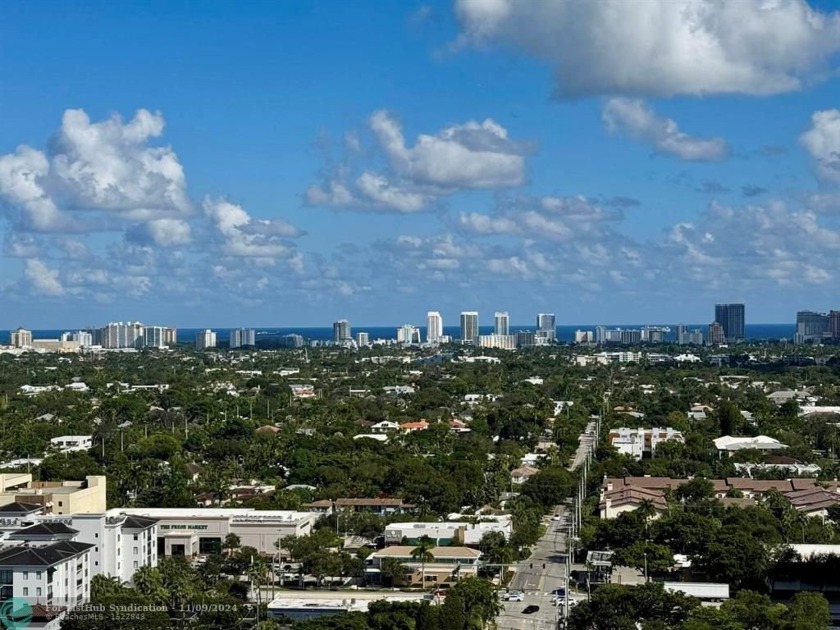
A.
pixel 447 533
pixel 196 531
pixel 205 339
pixel 341 331
pixel 546 326
pixel 448 564
pixel 242 337
pixel 731 317
pixel 501 323
pixel 469 326
pixel 434 327
pixel 55 497
pixel 21 338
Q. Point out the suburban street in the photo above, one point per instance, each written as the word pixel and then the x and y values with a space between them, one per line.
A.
pixel 537 583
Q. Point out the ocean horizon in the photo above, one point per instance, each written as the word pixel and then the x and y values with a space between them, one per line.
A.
pixel 753 332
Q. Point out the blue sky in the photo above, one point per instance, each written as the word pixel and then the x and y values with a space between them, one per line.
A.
pixel 294 163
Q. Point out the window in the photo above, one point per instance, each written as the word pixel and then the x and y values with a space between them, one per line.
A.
pixel 135 536
pixel 136 550
pixel 60 504
pixel 96 535
pixel 26 591
pixel 96 563
pixel 26 575
pixel 38 592
pixel 37 575
pixel 135 564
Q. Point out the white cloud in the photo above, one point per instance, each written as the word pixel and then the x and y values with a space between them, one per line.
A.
pixel 468 156
pixel 161 232
pixel 822 141
pixel 105 166
pixel 634 118
pixel 43 279
pixel 662 47
pixel 471 155
pixel 244 237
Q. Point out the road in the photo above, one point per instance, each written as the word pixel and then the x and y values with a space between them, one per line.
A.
pixel 537 583
pixel 586 443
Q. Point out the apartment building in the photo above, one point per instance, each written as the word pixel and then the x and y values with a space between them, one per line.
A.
pixel 638 443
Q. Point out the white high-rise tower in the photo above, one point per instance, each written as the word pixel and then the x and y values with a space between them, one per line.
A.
pixel 502 323
pixel 434 327
pixel 469 326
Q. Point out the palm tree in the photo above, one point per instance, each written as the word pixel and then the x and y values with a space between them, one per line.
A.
pixel 422 553
pixel 393 570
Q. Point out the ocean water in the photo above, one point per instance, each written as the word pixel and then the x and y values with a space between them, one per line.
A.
pixel 564 333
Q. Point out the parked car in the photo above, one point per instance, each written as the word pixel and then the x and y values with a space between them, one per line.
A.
pixel 514 596
pixel 530 610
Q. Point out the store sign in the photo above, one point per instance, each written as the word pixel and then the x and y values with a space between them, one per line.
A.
pixel 183 526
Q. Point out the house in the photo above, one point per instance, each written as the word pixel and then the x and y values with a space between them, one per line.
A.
pixel 385 426
pixel 522 474
pixel 410 427
pixel 729 444
pixel 376 506
pixel 72 443
pixel 447 564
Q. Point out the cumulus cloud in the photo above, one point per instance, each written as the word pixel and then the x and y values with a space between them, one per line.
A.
pixel 44 280
pixel 822 141
pixel 469 156
pixel 106 166
pixel 161 232
pixel 662 47
pixel 632 117
pixel 244 237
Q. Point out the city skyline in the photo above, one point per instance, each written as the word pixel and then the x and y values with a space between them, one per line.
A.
pixel 367 156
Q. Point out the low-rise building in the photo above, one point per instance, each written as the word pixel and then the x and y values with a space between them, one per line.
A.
pixel 72 443
pixel 56 497
pixel 447 533
pixel 381 506
pixel 448 564
pixel 640 442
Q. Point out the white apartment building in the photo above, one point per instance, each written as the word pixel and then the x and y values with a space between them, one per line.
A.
pixel 205 339
pixel 121 543
pixel 640 442
pixel 122 335
pixel 154 337
pixel 362 339
pixel 81 337
pixel 243 337
pixel 21 338
pixel 72 443
pixel 502 342
pixel 49 577
pixel 434 327
pixel 501 321
pixel 408 334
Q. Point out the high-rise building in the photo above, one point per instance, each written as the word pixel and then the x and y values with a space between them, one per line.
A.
pixel 731 317
pixel 682 334
pixel 408 334
pixel 546 326
pixel 21 338
pixel 469 326
pixel 243 337
pixel 695 337
pixel 600 334
pixel 81 337
pixel 341 331
pixel 154 337
pixel 434 327
pixel 502 323
pixel 524 338
pixel 717 334
pixel 292 341
pixel 812 326
pixel 205 339
pixel 170 336
pixel 122 335
pixel 362 339
pixel 834 324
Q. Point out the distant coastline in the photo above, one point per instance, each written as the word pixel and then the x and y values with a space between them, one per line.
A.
pixel 754 332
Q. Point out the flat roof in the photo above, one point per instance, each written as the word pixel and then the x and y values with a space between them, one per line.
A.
pixel 219 513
